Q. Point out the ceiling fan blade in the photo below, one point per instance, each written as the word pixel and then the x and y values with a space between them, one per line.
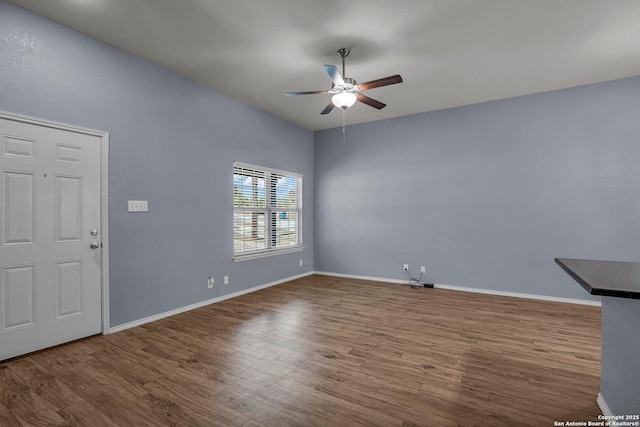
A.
pixel 328 108
pixel 385 81
pixel 314 92
pixel 370 101
pixel 335 75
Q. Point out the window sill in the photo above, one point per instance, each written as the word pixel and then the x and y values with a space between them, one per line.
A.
pixel 273 252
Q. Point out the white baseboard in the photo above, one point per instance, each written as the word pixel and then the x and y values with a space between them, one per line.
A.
pixel 355 276
pixel 173 312
pixel 521 295
pixel 474 290
pixel 603 405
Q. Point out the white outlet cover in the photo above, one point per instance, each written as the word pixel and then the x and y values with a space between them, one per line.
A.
pixel 226 280
pixel 138 206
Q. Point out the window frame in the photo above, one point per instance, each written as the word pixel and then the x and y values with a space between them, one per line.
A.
pixel 270 212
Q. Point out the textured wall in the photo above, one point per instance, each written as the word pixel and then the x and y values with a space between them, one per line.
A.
pixel 485 195
pixel 172 142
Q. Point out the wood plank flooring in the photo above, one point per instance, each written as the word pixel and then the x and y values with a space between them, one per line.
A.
pixel 323 351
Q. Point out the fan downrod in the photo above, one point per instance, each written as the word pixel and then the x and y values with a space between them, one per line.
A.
pixel 343 52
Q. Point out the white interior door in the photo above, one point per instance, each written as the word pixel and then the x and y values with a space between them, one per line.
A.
pixel 50 234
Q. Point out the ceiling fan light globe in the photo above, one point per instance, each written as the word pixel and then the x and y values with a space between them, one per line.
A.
pixel 344 100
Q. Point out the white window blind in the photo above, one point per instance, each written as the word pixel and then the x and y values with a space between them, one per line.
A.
pixel 267 211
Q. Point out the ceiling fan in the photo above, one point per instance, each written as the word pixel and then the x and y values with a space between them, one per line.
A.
pixel 346 91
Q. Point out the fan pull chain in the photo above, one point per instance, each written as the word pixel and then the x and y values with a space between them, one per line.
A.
pixel 344 132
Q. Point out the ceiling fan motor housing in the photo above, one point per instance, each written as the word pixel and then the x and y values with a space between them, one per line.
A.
pixel 349 85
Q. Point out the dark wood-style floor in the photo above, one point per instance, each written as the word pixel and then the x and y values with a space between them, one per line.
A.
pixel 323 351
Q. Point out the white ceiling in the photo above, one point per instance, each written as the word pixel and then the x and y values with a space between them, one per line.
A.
pixel 449 52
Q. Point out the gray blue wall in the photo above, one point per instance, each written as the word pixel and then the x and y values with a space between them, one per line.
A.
pixel 485 195
pixel 620 374
pixel 172 142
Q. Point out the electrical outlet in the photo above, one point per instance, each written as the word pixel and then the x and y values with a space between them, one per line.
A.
pixel 210 282
pixel 423 269
pixel 300 263
pixel 226 280
pixel 405 267
pixel 138 206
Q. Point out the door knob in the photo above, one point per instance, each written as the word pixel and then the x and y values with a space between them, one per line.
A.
pixel 94 245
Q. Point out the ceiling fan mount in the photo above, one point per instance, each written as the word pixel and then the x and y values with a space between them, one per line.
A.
pixel 343 52
pixel 346 91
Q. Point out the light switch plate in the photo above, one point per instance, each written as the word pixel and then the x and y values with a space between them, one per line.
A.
pixel 138 206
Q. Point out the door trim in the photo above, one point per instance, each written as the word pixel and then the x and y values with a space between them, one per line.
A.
pixel 104 196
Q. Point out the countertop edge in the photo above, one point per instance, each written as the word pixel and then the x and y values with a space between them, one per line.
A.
pixel 575 276
pixel 593 290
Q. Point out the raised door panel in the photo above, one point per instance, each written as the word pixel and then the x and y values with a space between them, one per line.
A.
pixel 18 147
pixel 68 210
pixel 18 207
pixel 17 297
pixel 68 153
pixel 68 288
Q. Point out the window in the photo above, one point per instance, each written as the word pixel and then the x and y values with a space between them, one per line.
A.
pixel 267 211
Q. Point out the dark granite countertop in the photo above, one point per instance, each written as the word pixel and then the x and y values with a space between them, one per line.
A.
pixel 607 278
